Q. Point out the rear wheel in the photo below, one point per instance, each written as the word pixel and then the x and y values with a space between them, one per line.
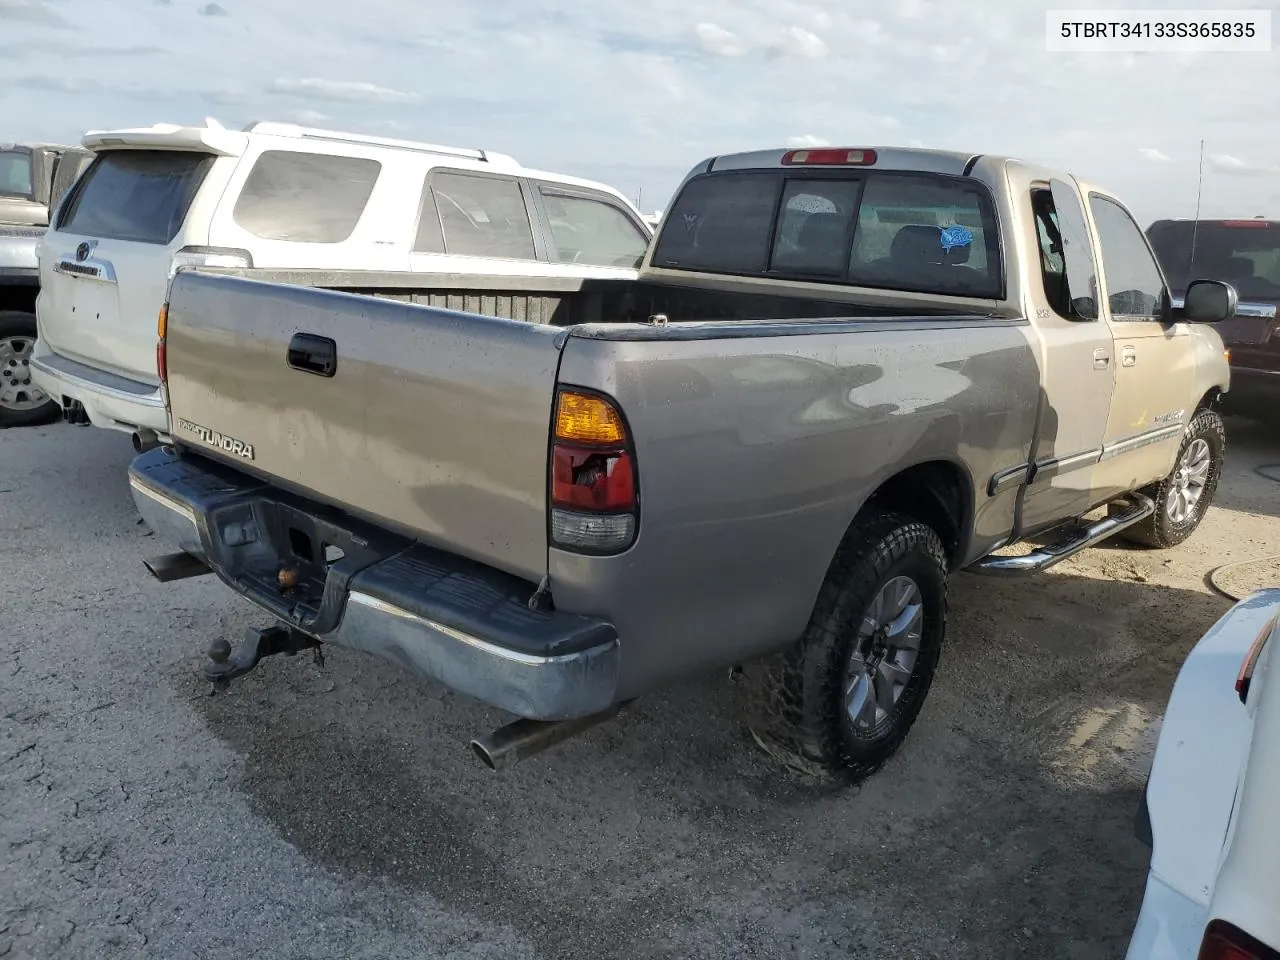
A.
pixel 1183 498
pixel 22 403
pixel 842 699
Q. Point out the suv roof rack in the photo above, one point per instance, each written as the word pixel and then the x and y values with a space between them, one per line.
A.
pixel 275 129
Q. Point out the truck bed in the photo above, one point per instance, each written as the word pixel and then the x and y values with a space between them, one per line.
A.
pixel 564 302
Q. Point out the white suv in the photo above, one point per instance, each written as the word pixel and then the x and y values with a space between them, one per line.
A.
pixel 286 197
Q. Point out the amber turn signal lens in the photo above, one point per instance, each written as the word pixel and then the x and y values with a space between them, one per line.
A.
pixel 588 419
pixel 162 321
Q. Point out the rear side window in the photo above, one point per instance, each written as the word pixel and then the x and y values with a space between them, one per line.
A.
pixel 137 195
pixel 305 197
pixel 15 173
pixel 483 216
pixel 913 232
pixel 593 232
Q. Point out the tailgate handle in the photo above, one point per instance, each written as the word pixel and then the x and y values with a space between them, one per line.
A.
pixel 312 354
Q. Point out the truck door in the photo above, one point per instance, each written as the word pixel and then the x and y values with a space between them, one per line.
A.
pixel 1076 369
pixel 1155 365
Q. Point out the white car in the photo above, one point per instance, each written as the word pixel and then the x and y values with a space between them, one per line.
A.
pixel 1211 809
pixel 285 197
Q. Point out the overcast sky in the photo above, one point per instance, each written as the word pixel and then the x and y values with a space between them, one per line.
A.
pixel 634 92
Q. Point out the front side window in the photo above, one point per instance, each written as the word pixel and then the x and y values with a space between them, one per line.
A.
pixel 1135 287
pixel 912 232
pixel 593 232
pixel 483 216
pixel 137 195
pixel 305 197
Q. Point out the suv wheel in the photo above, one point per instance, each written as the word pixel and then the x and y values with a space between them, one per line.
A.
pixel 22 403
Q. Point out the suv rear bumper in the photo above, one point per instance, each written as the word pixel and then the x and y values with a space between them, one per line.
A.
pixel 436 614
pixel 112 402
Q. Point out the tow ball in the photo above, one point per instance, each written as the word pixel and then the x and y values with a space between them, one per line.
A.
pixel 226 664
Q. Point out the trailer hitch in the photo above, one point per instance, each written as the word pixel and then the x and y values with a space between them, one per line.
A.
pixel 227 664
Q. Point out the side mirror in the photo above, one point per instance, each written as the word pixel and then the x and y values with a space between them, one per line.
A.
pixel 1207 301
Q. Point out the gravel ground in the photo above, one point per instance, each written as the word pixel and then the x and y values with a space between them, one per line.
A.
pixel 337 812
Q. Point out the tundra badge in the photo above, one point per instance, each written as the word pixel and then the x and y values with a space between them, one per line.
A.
pixel 220 440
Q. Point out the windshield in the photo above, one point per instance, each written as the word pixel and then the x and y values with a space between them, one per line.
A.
pixel 1245 254
pixel 138 195
pixel 15 174
pixel 913 232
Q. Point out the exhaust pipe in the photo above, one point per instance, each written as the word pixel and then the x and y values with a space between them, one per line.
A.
pixel 521 739
pixel 144 440
pixel 176 566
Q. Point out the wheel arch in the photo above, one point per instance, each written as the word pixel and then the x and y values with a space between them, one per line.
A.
pixel 938 493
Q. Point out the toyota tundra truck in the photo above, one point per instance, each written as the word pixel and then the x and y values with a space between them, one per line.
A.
pixel 842 376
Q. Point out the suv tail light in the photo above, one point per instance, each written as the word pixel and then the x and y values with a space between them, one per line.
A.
pixel 162 359
pixel 1225 941
pixel 210 257
pixel 595 497
pixel 1245 676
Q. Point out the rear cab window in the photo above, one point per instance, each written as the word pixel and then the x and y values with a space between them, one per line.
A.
pixel 136 195
pixel 1243 253
pixel 305 197
pixel 914 232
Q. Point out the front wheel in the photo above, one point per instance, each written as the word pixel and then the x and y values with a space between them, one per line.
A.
pixel 844 697
pixel 1183 498
pixel 22 403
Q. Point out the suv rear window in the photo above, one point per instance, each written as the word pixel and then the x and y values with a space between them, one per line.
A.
pixel 1245 254
pixel 138 195
pixel 305 197
pixel 15 174
pixel 914 232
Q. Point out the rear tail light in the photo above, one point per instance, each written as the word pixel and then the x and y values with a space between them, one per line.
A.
pixel 829 157
pixel 1245 676
pixel 210 257
pixel 1225 941
pixel 595 499
pixel 162 359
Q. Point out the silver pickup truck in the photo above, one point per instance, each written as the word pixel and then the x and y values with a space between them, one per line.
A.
pixel 842 376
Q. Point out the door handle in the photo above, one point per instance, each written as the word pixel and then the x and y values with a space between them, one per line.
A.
pixel 1100 359
pixel 1128 356
pixel 312 354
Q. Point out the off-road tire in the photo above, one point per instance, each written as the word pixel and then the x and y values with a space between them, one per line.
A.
pixel 795 699
pixel 16 323
pixel 1159 530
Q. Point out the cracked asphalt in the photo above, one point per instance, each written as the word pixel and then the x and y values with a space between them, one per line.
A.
pixel 337 812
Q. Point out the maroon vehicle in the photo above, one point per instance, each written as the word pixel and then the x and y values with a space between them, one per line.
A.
pixel 1245 254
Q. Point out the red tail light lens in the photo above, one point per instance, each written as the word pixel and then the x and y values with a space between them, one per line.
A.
pixel 586 479
pixel 1225 941
pixel 1245 676
pixel 829 157
pixel 593 489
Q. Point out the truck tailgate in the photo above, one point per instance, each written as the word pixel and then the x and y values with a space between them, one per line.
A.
pixel 433 421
